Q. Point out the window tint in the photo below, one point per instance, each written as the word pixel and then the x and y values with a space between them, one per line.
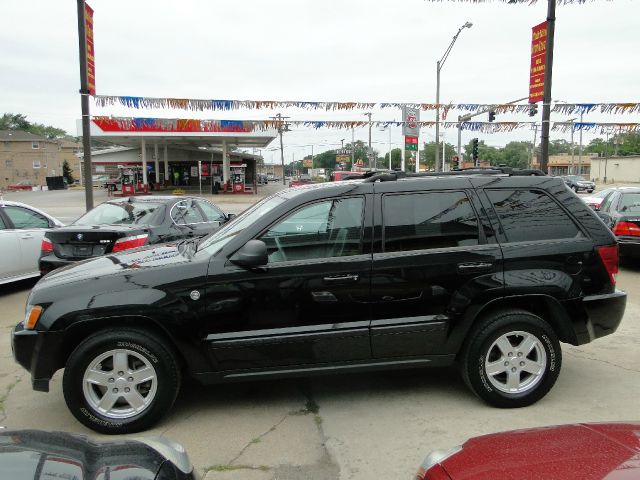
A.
pixel 23 218
pixel 629 203
pixel 321 230
pixel 428 220
pixel 211 213
pixel 529 215
pixel 2 225
pixel 186 212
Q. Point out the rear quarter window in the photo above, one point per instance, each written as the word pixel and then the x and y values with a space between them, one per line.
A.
pixel 531 215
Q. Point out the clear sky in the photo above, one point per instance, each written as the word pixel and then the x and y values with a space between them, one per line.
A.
pixel 332 50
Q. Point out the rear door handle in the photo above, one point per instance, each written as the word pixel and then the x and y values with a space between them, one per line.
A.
pixel 342 279
pixel 474 267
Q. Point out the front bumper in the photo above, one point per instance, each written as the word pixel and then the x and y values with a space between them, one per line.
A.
pixel 38 352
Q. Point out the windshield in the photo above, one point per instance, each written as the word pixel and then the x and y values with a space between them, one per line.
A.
pixel 576 178
pixel 603 193
pixel 220 238
pixel 119 213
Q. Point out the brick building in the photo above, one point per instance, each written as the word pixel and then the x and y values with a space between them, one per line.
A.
pixel 30 157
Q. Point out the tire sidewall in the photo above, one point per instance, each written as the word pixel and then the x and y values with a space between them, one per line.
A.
pixel 479 349
pixel 153 351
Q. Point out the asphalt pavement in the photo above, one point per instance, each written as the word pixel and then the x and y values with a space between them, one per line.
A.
pixel 356 426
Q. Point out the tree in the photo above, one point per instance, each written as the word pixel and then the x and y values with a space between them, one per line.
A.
pixel 486 153
pixel 67 172
pixel 396 159
pixel 516 154
pixel 14 121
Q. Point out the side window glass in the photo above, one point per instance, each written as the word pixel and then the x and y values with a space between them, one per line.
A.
pixel 428 220
pixel 2 224
pixel 186 212
pixel 23 218
pixel 322 230
pixel 211 213
pixel 606 203
pixel 529 215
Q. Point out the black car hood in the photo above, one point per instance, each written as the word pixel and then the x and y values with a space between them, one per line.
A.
pixel 38 455
pixel 126 262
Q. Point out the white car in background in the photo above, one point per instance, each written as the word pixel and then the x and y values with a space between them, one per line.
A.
pixel 596 199
pixel 22 229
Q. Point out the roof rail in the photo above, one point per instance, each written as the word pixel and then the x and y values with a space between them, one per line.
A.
pixel 512 172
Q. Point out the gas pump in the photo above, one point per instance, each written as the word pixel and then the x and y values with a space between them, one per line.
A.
pixel 131 180
pixel 237 179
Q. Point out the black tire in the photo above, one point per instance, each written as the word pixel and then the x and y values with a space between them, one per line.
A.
pixel 140 348
pixel 481 348
pixel 589 191
pixel 575 189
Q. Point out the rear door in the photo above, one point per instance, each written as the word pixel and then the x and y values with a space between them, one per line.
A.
pixel 11 264
pixel 435 256
pixel 30 228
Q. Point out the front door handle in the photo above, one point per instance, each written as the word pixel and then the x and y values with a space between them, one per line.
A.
pixel 475 267
pixel 26 236
pixel 341 279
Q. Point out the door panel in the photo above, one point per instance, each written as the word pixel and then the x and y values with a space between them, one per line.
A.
pixel 11 254
pixel 435 262
pixel 309 305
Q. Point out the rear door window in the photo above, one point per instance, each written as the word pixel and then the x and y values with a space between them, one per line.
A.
pixel 421 221
pixel 186 212
pixel 530 215
pixel 630 203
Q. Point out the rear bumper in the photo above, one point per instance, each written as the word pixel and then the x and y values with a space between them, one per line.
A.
pixel 629 247
pixel 38 352
pixel 602 316
pixel 50 262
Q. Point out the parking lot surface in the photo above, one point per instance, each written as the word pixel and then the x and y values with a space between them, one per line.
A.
pixel 358 426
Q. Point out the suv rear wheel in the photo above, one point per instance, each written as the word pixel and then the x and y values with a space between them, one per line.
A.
pixel 121 381
pixel 513 359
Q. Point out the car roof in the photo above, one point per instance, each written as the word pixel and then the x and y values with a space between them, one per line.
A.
pixel 154 198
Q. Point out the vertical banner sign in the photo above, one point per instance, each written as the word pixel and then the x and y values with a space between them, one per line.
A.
pixel 91 65
pixel 538 61
pixel 411 117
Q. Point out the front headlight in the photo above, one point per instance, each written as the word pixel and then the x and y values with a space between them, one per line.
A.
pixel 435 457
pixel 31 316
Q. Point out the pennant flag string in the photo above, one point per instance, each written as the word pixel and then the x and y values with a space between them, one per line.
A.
pixel 228 105
pixel 145 124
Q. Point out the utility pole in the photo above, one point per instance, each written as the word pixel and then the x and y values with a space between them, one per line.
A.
pixel 282 126
pixel 353 148
pixel 580 149
pixel 546 101
pixel 84 101
pixel 370 152
pixel 533 147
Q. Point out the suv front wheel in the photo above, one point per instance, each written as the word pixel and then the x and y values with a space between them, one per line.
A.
pixel 121 381
pixel 512 360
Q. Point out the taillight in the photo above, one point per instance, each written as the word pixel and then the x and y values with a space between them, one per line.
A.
pixel 609 257
pixel 127 243
pixel 46 246
pixel 627 228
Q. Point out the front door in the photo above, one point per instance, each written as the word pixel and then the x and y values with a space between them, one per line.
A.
pixel 433 260
pixel 309 305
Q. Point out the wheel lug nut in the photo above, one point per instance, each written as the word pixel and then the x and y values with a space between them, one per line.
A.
pixel 115 390
pixel 514 369
pixel 506 364
pixel 511 354
pixel 120 374
pixel 519 354
pixel 127 389
pixel 111 380
pixel 130 379
pixel 522 364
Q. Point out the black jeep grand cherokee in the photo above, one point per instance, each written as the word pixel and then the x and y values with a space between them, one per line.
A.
pixel 490 271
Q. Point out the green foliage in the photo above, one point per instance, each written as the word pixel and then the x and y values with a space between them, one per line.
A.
pixel 18 121
pixel 67 172
pixel 622 144
pixel 428 154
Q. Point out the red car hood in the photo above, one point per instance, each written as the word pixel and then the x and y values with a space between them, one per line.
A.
pixel 581 451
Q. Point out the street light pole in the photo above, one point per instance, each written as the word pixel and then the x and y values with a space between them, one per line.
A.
pixel 439 66
pixel 84 104
pixel 370 152
pixel 546 101
pixel 580 149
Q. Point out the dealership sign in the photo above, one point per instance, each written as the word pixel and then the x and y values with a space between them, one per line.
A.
pixel 88 36
pixel 410 117
pixel 538 62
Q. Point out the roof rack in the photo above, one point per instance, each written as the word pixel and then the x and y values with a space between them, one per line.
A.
pixel 510 171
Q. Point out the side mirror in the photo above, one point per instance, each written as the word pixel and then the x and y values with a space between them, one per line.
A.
pixel 252 254
pixel 230 216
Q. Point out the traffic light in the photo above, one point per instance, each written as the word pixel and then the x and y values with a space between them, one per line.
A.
pixel 455 162
pixel 533 109
pixel 492 116
pixel 474 149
